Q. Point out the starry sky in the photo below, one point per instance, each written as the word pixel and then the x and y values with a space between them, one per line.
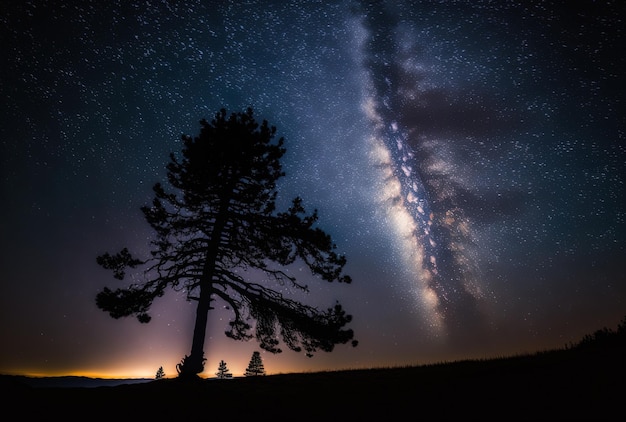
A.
pixel 468 158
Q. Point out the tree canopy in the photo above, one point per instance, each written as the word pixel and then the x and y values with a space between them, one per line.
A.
pixel 216 222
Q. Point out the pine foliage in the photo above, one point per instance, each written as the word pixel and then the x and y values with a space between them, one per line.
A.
pixel 255 367
pixel 160 373
pixel 222 371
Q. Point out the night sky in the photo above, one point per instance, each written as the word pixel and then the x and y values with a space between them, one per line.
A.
pixel 467 157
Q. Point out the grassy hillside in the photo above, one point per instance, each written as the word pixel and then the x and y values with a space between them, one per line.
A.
pixel 582 383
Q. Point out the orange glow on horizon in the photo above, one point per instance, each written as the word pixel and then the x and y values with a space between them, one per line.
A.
pixel 138 373
pixel 142 373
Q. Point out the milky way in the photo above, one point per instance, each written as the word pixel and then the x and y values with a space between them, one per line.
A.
pixel 423 195
pixel 466 156
pixel 437 201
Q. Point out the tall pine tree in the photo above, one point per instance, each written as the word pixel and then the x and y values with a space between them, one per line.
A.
pixel 219 236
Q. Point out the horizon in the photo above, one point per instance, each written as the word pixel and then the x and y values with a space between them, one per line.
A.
pixel 139 374
pixel 203 375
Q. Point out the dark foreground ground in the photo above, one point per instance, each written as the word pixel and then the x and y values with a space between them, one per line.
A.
pixel 559 385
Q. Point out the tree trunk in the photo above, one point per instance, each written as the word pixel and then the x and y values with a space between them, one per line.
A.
pixel 194 363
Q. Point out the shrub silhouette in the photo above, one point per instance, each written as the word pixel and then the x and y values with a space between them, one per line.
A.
pixel 604 337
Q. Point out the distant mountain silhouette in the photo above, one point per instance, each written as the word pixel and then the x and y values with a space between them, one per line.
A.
pixel 68 381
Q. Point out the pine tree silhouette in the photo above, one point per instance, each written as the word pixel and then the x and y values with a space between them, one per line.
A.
pixel 218 215
pixel 160 373
pixel 255 367
pixel 222 371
